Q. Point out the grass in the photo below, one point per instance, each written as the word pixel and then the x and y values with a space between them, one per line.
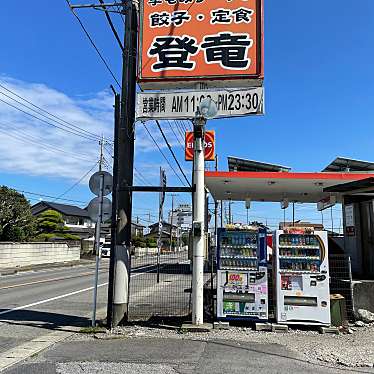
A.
pixel 92 330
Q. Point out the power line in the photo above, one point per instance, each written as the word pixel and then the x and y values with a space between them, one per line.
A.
pixel 181 131
pixel 48 196
pixel 172 152
pixel 120 12
pixel 70 125
pixel 176 137
pixel 77 182
pixel 109 19
pixel 45 146
pixel 94 45
pixel 48 123
pixel 141 176
pixel 167 160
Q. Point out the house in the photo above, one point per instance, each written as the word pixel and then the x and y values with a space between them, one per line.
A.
pixel 137 229
pixel 165 236
pixel 75 218
pixel 78 221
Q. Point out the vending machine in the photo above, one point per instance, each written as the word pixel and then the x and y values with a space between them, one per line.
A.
pixel 242 285
pixel 302 276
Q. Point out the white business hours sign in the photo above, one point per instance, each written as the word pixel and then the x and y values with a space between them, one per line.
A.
pixel 183 105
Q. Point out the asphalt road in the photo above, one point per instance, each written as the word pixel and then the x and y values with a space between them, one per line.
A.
pixel 172 356
pixel 33 302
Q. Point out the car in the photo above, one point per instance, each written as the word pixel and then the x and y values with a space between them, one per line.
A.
pixel 105 250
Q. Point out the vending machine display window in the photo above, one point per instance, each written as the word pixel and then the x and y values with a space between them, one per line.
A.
pixel 239 251
pixel 242 286
pixel 299 253
pixel 301 276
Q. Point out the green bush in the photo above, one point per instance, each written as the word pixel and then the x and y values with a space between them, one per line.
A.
pixel 151 243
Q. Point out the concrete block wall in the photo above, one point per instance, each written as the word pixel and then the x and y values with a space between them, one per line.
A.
pixel 363 295
pixel 153 251
pixel 26 254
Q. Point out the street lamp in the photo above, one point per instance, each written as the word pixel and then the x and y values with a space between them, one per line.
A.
pixel 206 110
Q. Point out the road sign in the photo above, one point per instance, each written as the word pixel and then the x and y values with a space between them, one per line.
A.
pixel 184 104
pixel 93 209
pixel 200 40
pixel 95 183
pixel 209 144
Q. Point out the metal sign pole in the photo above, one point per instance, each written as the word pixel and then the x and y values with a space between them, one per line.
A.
pixel 159 230
pixel 160 221
pixel 97 243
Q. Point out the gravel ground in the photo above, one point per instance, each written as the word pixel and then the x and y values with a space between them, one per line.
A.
pixel 112 368
pixel 355 349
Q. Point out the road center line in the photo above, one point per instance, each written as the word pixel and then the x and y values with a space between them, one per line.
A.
pixel 65 295
pixel 61 278
pixel 47 280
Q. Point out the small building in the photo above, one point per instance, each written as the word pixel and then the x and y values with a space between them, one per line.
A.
pixel 75 218
pixel 182 217
pixel 137 230
pixel 79 222
pixel 165 235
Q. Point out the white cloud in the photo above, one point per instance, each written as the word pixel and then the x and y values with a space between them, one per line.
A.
pixel 29 146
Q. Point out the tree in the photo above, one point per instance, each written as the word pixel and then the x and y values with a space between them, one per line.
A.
pixel 139 241
pixel 151 242
pixel 16 220
pixel 50 225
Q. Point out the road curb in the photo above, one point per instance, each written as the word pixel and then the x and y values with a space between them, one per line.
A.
pixel 26 350
pixel 11 271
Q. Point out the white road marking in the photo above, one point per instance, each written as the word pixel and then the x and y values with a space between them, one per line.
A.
pixel 67 295
pixel 47 280
pixel 17 354
pixel 51 299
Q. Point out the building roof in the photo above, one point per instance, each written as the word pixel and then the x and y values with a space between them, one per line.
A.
pixel 275 187
pixel 342 164
pixel 67 210
pixel 360 186
pixel 241 164
pixel 164 223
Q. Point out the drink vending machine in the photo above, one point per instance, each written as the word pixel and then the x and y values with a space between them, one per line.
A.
pixel 242 281
pixel 302 276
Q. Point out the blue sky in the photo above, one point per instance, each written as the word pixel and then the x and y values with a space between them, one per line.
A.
pixel 319 97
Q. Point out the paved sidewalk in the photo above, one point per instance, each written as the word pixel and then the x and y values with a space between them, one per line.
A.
pixel 55 265
pixel 170 356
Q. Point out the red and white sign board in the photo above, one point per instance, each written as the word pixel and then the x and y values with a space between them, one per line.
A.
pixel 201 41
pixel 326 203
pixel 209 145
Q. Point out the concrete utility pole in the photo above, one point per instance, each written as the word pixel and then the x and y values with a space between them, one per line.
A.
pixel 198 224
pixel 98 234
pixel 222 213
pixel 113 232
pixel 171 221
pixel 126 139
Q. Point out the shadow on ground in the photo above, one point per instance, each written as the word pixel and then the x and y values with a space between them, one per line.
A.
pixel 46 320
